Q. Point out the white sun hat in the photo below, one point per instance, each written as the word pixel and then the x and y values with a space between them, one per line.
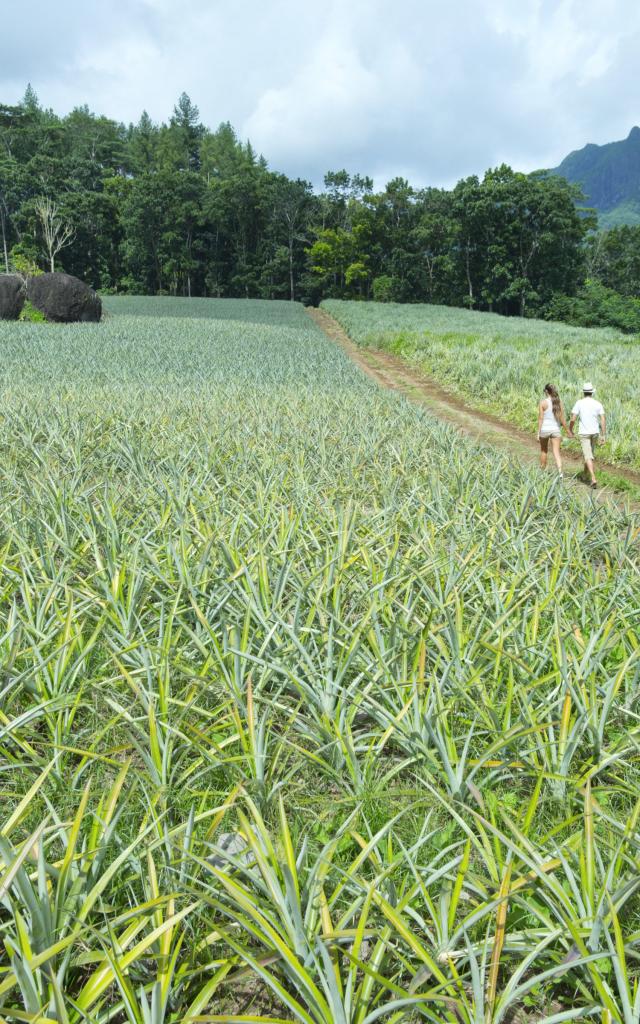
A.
pixel 588 386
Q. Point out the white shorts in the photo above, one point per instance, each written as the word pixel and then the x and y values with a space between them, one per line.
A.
pixel 549 433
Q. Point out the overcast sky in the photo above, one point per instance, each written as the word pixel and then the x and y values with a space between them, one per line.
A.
pixel 429 89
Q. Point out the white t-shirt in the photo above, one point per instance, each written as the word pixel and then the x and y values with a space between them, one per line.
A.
pixel 587 410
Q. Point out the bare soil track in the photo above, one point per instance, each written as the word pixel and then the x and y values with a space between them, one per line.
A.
pixel 391 372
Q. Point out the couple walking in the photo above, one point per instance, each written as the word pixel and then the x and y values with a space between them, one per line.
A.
pixel 589 415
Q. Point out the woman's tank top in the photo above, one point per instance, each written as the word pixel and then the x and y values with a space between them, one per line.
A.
pixel 549 422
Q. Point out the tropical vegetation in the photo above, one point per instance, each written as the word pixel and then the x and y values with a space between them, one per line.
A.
pixel 178 209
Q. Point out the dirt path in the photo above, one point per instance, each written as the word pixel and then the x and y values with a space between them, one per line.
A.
pixel 391 372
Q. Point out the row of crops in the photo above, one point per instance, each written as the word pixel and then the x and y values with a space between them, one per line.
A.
pixel 501 364
pixel 310 710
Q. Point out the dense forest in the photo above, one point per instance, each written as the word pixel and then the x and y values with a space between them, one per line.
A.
pixel 179 209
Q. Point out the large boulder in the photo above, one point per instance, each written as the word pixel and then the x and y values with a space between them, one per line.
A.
pixel 64 299
pixel 12 296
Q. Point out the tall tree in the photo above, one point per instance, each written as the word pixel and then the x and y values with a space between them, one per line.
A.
pixel 292 203
pixel 614 259
pixel 185 123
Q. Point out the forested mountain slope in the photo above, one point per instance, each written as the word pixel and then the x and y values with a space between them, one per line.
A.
pixel 610 178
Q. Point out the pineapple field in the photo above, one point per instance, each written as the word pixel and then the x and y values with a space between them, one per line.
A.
pixel 311 709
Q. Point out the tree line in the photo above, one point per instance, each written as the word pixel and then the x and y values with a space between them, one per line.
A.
pixel 178 209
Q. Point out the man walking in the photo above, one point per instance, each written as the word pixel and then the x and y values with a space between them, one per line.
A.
pixel 591 426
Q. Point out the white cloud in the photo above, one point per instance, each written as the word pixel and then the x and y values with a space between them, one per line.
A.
pixel 416 87
pixel 337 102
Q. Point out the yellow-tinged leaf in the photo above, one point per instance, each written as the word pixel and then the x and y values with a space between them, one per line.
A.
pixel 75 831
pixel 203 997
pixel 589 853
pixel 166 938
pixel 422 655
pixel 13 868
pixel 153 738
pixel 459 882
pixel 100 981
pixel 409 937
pixel 531 876
pixel 288 848
pixel 213 827
pixel 250 908
pixel 325 916
pixel 498 941
pixel 565 719
pixel 532 806
pixel 251 714
pixel 23 806
pixel 29 1018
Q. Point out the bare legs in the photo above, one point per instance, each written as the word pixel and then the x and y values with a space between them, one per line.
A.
pixel 555 448
pixel 590 470
pixel 588 454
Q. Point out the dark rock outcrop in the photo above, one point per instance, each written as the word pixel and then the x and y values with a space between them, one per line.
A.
pixel 64 299
pixel 12 296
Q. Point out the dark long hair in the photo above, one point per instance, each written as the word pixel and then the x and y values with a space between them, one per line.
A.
pixel 556 404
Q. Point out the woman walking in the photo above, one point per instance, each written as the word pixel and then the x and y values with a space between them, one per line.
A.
pixel 550 420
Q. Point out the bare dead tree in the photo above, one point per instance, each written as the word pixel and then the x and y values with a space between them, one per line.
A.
pixel 4 217
pixel 291 200
pixel 57 232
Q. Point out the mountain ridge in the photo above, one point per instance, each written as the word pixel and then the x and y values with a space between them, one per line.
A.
pixel 609 176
